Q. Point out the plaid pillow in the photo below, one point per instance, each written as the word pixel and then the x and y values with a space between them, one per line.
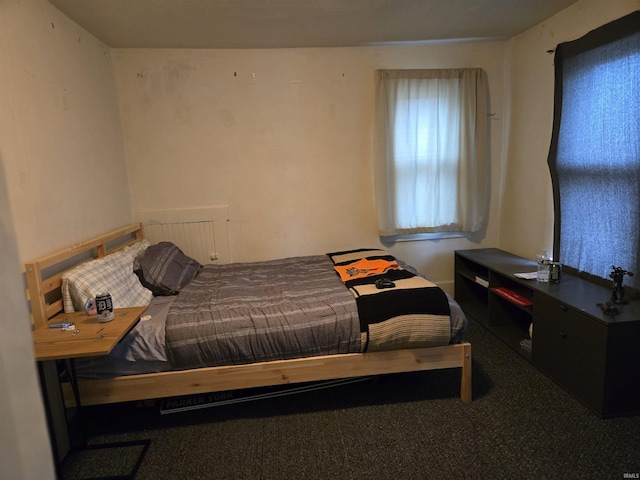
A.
pixel 113 274
pixel 137 248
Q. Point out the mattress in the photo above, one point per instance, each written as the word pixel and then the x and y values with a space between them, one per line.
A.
pixel 144 349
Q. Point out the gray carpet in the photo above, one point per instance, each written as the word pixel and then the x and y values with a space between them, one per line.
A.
pixel 407 426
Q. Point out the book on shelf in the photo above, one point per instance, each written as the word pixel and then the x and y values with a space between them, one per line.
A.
pixel 512 296
pixel 482 281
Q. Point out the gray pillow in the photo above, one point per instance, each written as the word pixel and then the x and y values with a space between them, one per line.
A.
pixel 164 269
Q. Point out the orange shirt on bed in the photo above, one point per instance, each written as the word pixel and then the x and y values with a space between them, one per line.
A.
pixel 364 268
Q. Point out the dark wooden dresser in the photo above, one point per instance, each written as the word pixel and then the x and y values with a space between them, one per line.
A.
pixel 593 356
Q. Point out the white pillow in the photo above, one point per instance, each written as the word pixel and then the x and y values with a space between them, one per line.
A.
pixel 114 274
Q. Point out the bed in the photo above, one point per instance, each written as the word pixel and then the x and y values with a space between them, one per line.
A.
pixel 344 329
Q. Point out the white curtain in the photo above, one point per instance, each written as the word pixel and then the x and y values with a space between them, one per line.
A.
pixel 431 150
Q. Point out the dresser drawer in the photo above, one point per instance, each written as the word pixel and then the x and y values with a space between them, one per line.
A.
pixel 570 323
pixel 575 367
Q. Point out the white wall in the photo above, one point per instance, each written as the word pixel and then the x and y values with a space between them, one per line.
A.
pixel 283 137
pixel 25 452
pixel 526 221
pixel 60 135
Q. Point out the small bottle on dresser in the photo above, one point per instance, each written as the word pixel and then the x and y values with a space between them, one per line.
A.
pixel 544 260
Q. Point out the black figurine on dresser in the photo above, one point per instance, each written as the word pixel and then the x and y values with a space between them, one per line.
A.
pixel 617 295
pixel 617 275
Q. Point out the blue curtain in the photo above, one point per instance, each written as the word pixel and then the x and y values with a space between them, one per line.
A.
pixel 595 150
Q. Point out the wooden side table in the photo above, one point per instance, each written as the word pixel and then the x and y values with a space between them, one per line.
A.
pixel 88 338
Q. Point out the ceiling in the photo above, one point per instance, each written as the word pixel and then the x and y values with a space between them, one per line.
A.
pixel 301 23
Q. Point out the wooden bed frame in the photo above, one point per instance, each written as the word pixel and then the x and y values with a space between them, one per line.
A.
pixel 44 280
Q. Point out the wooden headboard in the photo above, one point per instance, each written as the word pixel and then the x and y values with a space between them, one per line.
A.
pixel 44 274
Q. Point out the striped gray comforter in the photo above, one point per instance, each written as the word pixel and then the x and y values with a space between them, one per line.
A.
pixel 254 312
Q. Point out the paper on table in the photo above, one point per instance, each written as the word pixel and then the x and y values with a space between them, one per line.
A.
pixel 527 275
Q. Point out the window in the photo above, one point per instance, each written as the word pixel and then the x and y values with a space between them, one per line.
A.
pixel 431 150
pixel 594 157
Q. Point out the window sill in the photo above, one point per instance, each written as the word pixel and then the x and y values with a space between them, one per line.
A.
pixel 418 237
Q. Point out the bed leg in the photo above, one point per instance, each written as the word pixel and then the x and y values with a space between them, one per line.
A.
pixel 465 380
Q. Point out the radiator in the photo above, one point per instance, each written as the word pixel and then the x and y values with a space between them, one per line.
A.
pixel 201 233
